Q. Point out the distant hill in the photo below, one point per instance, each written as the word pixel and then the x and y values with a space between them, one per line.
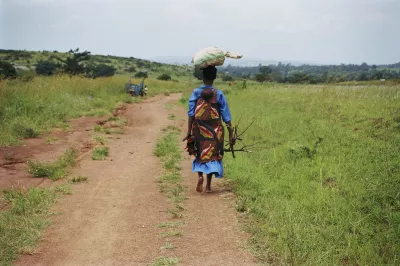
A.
pixel 247 62
pixel 243 62
pixel 26 60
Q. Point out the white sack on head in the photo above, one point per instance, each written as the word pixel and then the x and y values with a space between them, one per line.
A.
pixel 212 56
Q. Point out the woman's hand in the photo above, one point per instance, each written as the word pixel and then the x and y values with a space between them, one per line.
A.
pixel 232 141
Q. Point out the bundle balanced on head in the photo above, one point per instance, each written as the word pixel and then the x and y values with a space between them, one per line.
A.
pixel 207 109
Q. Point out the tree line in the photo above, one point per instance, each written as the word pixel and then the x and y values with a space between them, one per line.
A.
pixel 287 73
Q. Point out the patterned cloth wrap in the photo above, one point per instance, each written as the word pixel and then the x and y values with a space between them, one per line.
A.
pixel 207 128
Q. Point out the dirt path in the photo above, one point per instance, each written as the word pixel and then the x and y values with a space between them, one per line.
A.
pixel 113 219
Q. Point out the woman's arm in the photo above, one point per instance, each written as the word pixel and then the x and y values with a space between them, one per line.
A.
pixel 226 115
pixel 191 110
pixel 232 141
pixel 190 123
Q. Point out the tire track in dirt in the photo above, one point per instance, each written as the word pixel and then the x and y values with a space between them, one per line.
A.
pixel 112 219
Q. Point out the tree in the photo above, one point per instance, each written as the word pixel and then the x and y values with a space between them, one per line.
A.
pixel 131 69
pixel 7 70
pixel 46 68
pixel 276 76
pixel 75 64
pixel 227 78
pixel 141 74
pixel 164 77
pixel 265 70
pixel 299 77
pixel 261 77
pixel 102 70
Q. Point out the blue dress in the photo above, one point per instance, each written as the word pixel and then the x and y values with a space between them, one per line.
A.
pixel 213 167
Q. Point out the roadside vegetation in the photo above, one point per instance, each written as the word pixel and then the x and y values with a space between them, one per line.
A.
pixel 28 109
pixel 167 149
pixel 54 170
pixel 25 216
pixel 325 190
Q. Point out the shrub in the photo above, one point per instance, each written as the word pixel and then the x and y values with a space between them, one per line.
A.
pixel 7 70
pixel 46 68
pixel 141 74
pixel 101 70
pixel 227 78
pixel 164 77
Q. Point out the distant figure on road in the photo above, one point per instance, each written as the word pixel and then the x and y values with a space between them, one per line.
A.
pixel 145 90
pixel 207 105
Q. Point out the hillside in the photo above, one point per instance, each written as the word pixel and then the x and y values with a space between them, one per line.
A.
pixel 26 61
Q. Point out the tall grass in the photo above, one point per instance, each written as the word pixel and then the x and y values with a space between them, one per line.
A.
pixel 29 108
pixel 22 222
pixel 326 189
pixel 54 170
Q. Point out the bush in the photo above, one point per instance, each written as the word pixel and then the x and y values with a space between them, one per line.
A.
pixel 164 77
pixel 227 78
pixel 7 70
pixel 131 69
pixel 261 77
pixel 141 74
pixel 101 70
pixel 46 68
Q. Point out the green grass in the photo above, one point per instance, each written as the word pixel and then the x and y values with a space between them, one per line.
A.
pixel 101 140
pixel 174 233
pixel 50 140
pixel 170 224
pixel 22 222
pixel 55 170
pixel 168 151
pixel 168 245
pixel 171 116
pixel 29 108
pixel 325 191
pixel 165 261
pixel 167 146
pixel 100 153
pixel 79 179
pixel 171 128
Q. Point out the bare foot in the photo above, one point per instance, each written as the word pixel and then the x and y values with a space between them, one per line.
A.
pixel 199 187
pixel 208 189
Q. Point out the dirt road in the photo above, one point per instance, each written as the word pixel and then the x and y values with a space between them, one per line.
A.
pixel 113 219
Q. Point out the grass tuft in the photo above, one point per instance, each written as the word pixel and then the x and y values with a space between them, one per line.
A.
pixel 100 153
pixel 101 140
pixel 55 170
pixel 165 261
pixel 170 224
pixel 79 179
pixel 21 224
pixel 174 233
pixel 168 245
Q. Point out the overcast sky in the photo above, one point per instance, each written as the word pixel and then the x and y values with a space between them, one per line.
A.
pixel 321 31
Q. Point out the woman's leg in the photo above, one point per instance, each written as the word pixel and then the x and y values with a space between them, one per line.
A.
pixel 208 186
pixel 200 181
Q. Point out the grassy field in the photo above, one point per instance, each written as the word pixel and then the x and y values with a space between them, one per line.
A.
pixel 325 191
pixel 29 108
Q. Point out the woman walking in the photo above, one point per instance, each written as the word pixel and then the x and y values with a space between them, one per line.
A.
pixel 207 109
